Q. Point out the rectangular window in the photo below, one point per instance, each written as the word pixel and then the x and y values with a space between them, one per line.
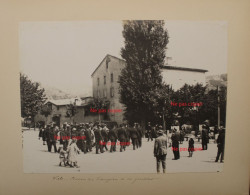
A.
pixel 111 92
pixel 111 78
pixel 98 81
pixel 104 80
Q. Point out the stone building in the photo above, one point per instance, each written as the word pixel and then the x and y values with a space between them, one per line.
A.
pixel 105 81
pixel 106 86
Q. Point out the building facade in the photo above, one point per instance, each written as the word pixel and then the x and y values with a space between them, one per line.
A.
pixel 106 75
pixel 106 86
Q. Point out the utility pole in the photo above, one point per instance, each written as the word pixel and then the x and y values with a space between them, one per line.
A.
pixel 218 94
pixel 163 117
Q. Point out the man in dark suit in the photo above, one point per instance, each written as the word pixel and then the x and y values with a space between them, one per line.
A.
pixel 87 134
pixel 204 138
pixel 134 136
pixel 160 151
pixel 104 133
pixel 122 136
pixel 220 145
pixel 98 139
pixel 149 131
pixel 175 145
pixel 53 137
pixel 140 132
pixel 47 137
pixel 112 136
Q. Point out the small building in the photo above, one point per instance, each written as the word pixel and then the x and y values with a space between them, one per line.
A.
pixel 59 111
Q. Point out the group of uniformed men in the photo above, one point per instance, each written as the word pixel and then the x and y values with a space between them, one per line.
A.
pixel 89 135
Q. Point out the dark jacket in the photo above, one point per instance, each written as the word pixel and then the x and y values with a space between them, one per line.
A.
pixel 87 133
pixel 98 135
pixel 134 133
pixel 104 135
pixel 122 134
pixel 221 140
pixel 175 140
pixel 190 144
pixel 160 146
pixel 112 136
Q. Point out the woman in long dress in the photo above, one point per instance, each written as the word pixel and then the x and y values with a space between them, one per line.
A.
pixel 73 151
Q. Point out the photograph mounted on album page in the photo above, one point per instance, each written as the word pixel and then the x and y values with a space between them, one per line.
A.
pixel 132 96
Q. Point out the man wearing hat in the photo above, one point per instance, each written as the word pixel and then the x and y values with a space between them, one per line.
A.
pixel 204 138
pixel 149 131
pixel 98 139
pixel 104 133
pixel 134 136
pixel 112 135
pixel 140 132
pixel 160 151
pixel 221 145
pixel 175 145
pixel 122 136
pixel 87 134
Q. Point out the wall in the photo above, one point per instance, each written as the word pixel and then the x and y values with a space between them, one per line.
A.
pixel 177 78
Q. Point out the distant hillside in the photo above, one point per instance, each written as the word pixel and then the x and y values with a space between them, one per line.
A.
pixel 216 80
pixel 56 94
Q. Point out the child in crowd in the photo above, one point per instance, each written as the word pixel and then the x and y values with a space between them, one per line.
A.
pixel 73 151
pixel 191 147
pixel 63 156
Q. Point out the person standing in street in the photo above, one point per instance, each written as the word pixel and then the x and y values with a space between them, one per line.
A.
pixel 160 151
pixel 175 145
pixel 190 147
pixel 204 138
pixel 221 145
pixel 149 131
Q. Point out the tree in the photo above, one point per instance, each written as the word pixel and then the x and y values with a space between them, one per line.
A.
pixel 209 99
pixel 190 94
pixel 140 81
pixel 71 110
pixel 100 104
pixel 46 111
pixel 32 97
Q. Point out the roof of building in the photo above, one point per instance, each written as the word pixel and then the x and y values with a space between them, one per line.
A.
pixel 63 102
pixel 184 68
pixel 108 55
pixel 164 67
pixel 83 98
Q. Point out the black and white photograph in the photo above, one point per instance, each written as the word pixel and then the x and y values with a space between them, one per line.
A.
pixel 131 96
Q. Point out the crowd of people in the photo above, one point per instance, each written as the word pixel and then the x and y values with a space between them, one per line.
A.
pixel 85 136
pixel 76 138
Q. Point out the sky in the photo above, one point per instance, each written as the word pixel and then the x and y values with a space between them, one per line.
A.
pixel 64 54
